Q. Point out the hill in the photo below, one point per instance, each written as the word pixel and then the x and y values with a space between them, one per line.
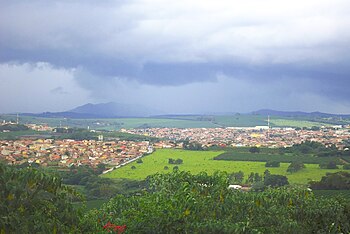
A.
pixel 298 114
pixel 101 110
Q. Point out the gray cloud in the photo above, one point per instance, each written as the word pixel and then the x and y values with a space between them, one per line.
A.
pixel 58 90
pixel 172 45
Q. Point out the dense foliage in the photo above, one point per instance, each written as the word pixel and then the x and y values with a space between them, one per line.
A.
pixel 295 167
pixel 96 187
pixel 183 203
pixel 254 150
pixel 334 181
pixel 175 161
pixel 281 155
pixel 192 145
pixel 34 202
pixel 13 127
pixel 329 165
pixel 316 149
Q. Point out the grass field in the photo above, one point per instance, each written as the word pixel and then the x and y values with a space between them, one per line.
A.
pixel 237 155
pixel 241 120
pixel 155 122
pixel 197 161
pixel 182 121
pixel 16 134
pixel 279 122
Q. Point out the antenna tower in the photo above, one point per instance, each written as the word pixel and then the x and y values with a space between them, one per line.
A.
pixel 268 127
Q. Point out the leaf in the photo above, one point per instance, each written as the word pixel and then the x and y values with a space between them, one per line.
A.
pixel 10 197
pixel 187 212
pixel 258 203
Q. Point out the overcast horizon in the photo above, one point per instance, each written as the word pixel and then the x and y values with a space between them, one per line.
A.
pixel 176 57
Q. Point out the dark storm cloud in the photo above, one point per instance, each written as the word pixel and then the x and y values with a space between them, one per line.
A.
pixel 168 43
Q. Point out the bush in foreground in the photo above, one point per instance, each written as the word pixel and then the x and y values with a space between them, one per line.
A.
pixel 179 202
pixel 34 202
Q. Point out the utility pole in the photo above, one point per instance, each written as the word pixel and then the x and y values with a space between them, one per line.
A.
pixel 268 127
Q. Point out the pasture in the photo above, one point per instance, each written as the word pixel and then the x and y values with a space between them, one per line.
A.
pixel 197 161
pixel 287 122
pixel 238 155
pixel 179 121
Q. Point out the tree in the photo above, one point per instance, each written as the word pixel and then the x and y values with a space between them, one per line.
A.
pixel 236 177
pixel 171 161
pixel 257 177
pixel 254 150
pixel 333 181
pixel 295 166
pixel 133 167
pixel 139 160
pixel 276 180
pixel 266 173
pixel 178 161
pixel 101 167
pixel 329 165
pixel 34 202
pixel 250 178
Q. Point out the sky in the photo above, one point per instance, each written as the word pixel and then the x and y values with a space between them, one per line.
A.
pixel 183 56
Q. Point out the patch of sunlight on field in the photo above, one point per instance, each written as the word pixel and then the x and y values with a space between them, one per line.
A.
pixel 197 161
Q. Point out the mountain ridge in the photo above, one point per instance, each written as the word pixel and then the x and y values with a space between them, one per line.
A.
pixel 118 110
pixel 297 113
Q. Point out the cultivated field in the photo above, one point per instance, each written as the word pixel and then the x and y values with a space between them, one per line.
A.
pixel 296 123
pixel 185 121
pixel 237 155
pixel 197 161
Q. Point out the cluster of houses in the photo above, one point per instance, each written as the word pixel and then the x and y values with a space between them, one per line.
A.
pixel 237 137
pixel 65 153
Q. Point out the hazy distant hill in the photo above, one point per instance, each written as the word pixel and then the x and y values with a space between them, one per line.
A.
pixel 102 110
pixel 297 114
pixel 113 109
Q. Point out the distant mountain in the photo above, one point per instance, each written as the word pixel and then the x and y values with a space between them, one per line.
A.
pixel 112 109
pixel 297 114
pixel 101 110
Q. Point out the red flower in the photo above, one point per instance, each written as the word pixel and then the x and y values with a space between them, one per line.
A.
pixel 109 227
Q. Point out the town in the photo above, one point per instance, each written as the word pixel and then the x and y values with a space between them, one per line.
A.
pixel 260 136
pixel 66 153
pixel 115 153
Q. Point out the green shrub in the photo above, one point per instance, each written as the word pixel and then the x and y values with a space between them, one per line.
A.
pixel 34 202
pixel 179 202
pixel 329 165
pixel 272 164
pixel 295 166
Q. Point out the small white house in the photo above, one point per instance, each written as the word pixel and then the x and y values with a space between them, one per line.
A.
pixel 235 186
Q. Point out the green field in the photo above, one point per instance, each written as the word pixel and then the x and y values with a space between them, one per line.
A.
pixel 238 155
pixel 180 121
pixel 157 123
pixel 241 120
pixel 197 161
pixel 16 134
pixel 279 122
